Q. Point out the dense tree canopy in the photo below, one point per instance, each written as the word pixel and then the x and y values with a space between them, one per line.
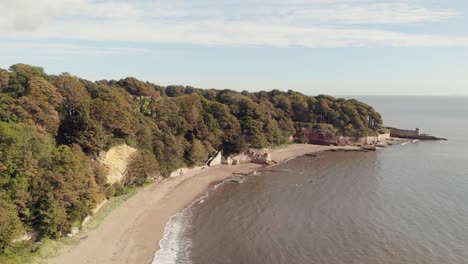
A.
pixel 52 127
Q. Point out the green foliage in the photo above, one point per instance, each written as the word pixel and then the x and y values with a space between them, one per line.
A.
pixel 117 189
pixel 10 110
pixel 65 193
pixel 142 166
pixel 136 87
pixel 10 224
pixel 53 127
pixel 197 154
pixel 4 79
pixel 41 101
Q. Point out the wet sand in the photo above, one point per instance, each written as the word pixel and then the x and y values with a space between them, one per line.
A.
pixel 131 233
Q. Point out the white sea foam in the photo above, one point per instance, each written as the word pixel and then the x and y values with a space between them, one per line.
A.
pixel 174 247
pixel 404 143
pixel 219 184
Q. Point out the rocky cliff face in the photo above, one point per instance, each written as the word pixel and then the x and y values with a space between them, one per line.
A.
pixel 116 160
pixel 318 137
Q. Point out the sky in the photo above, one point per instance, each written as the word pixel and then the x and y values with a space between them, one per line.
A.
pixel 337 47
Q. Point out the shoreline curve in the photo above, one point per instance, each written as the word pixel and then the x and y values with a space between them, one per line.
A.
pixel 132 232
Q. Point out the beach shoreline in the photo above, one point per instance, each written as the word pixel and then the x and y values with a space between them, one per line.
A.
pixel 131 233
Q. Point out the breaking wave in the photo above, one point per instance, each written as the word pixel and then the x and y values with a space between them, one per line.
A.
pixel 174 247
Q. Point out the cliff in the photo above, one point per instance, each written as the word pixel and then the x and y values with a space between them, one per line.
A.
pixel 116 160
pixel 318 137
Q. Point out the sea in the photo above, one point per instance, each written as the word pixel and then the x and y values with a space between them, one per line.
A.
pixel 405 204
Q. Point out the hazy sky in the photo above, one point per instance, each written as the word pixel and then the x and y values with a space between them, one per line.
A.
pixel 340 47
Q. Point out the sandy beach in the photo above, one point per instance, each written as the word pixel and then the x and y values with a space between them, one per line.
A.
pixel 131 233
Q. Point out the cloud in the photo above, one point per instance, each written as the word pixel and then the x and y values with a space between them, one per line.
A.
pixel 69 49
pixel 22 15
pixel 308 23
pixel 373 13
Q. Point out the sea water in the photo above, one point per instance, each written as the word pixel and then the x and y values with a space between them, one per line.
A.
pixel 402 204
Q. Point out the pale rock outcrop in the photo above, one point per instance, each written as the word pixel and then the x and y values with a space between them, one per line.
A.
pixel 116 160
pixel 227 161
pixel 241 158
pixel 259 156
pixel 216 159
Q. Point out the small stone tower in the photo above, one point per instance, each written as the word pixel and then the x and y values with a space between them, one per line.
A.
pixel 418 132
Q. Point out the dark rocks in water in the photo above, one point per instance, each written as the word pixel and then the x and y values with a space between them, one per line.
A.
pixel 427 137
pixel 237 179
pixel 369 148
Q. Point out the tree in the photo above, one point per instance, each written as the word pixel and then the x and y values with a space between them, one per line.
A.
pixel 197 154
pixel 15 88
pixel 4 79
pixel 136 87
pixel 41 101
pixel 24 150
pixel 93 138
pixel 23 73
pixel 10 111
pixel 10 224
pixel 75 96
pixel 42 90
pixel 142 166
pixel 65 192
pixel 283 103
pixel 175 90
pixel 42 113
pixel 75 108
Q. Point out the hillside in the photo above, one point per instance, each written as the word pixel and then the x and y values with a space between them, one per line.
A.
pixel 53 127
